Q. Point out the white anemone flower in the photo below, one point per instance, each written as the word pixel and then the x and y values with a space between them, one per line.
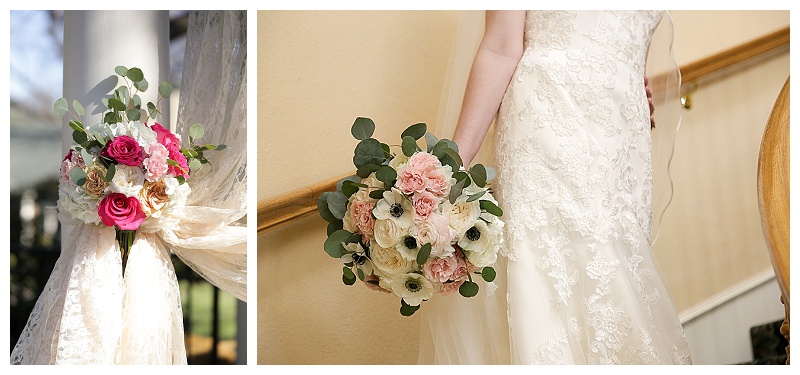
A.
pixel 395 206
pixel 358 257
pixel 408 247
pixel 481 243
pixel 413 288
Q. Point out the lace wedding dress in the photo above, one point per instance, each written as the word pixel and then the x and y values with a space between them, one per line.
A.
pixel 88 313
pixel 573 157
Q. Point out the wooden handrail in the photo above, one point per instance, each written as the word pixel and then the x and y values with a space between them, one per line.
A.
pixel 274 212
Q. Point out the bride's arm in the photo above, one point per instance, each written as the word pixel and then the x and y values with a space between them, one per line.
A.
pixel 495 62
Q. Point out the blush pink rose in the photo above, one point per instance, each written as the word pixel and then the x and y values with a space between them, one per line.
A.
pixel 71 161
pixel 425 204
pixel 448 288
pixel 462 269
pixel 361 214
pixel 410 181
pixel 436 231
pixel 440 269
pixel 438 182
pixel 124 150
pixel 422 161
pixel 122 211
pixel 156 161
pixel 164 136
pixel 175 154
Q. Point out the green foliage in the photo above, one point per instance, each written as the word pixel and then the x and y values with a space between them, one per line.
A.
pixel 362 128
pixel 368 151
pixel 165 89
pixel 478 173
pixel 488 274
pixel 347 276
pixel 78 176
pixel 333 245
pixel 424 253
pixel 406 309
pixel 415 131
pixel 409 146
pixel 60 107
pixel 491 208
pixel 78 108
pixel 468 289
pixel 387 175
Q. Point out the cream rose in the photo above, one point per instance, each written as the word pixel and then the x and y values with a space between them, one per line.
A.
pixel 389 261
pixel 387 233
pixel 95 186
pixel 127 180
pixel 461 214
pixel 153 197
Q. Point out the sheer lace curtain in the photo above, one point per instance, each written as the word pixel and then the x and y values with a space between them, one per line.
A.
pixel 88 313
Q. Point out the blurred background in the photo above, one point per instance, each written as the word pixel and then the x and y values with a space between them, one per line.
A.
pixel 36 74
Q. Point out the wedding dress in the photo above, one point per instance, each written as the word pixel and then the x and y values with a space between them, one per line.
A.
pixel 88 313
pixel 574 178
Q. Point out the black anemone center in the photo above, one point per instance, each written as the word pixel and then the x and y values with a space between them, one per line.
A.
pixel 413 286
pixel 410 242
pixel 473 234
pixel 396 210
pixel 359 259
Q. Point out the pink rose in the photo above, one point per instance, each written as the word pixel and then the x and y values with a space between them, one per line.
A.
pixel 375 287
pixel 120 210
pixel 440 269
pixel 361 213
pixel 425 204
pixel 436 231
pixel 164 136
pixel 175 154
pixel 448 288
pixel 71 161
pixel 156 161
pixel 410 181
pixel 124 150
pixel 463 267
pixel 438 182
pixel 422 161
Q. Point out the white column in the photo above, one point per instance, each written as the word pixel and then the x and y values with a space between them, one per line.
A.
pixel 95 42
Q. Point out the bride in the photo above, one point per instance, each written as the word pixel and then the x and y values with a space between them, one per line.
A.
pixel 575 179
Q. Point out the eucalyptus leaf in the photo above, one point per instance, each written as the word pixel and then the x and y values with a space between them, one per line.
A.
pixel 322 207
pixel 387 175
pixel 490 174
pixel 448 160
pixel 78 108
pixel 133 114
pixel 333 244
pixel 116 104
pixel 424 253
pixel 348 273
pixel 352 179
pixel 79 136
pixel 77 176
pixel 87 157
pixel 455 191
pixel 362 128
pixel 142 85
pixel 165 89
pixel 450 144
pixel 368 151
pixel 333 226
pixel 366 170
pixel 337 204
pixel 348 281
pixel 360 274
pixel 196 131
pixel 195 165
pixel 475 196
pixel 76 125
pixel 109 118
pixel 135 74
pixel 376 194
pixel 468 289
pixel 348 189
pixel 60 107
pixel 460 176
pixel 415 131
pixel 491 208
pixel 488 274
pixel 121 70
pixel 110 171
pixel 406 309
pixel 454 154
pixel 430 141
pixel 387 153
pixel 137 101
pixel 478 173
pixel 409 146
pixel 221 147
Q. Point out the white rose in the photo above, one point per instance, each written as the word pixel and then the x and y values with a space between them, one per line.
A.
pixel 389 261
pixel 462 214
pixel 135 129
pixel 435 231
pixel 77 203
pixel 177 198
pixel 387 233
pixel 127 180
pixel 399 162
pixel 413 288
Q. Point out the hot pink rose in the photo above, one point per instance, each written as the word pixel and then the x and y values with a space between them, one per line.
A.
pixel 440 269
pixel 425 204
pixel 448 288
pixel 164 136
pixel 411 181
pixel 120 210
pixel 438 182
pixel 175 154
pixel 422 161
pixel 361 213
pixel 124 150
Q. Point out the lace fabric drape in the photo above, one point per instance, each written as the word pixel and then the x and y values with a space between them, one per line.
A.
pixel 88 313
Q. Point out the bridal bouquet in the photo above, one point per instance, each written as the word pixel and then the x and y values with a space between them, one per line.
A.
pixel 413 223
pixel 123 171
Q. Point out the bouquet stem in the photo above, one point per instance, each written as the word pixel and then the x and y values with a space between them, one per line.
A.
pixel 125 240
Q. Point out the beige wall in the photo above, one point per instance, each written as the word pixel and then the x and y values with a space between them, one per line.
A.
pixel 317 71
